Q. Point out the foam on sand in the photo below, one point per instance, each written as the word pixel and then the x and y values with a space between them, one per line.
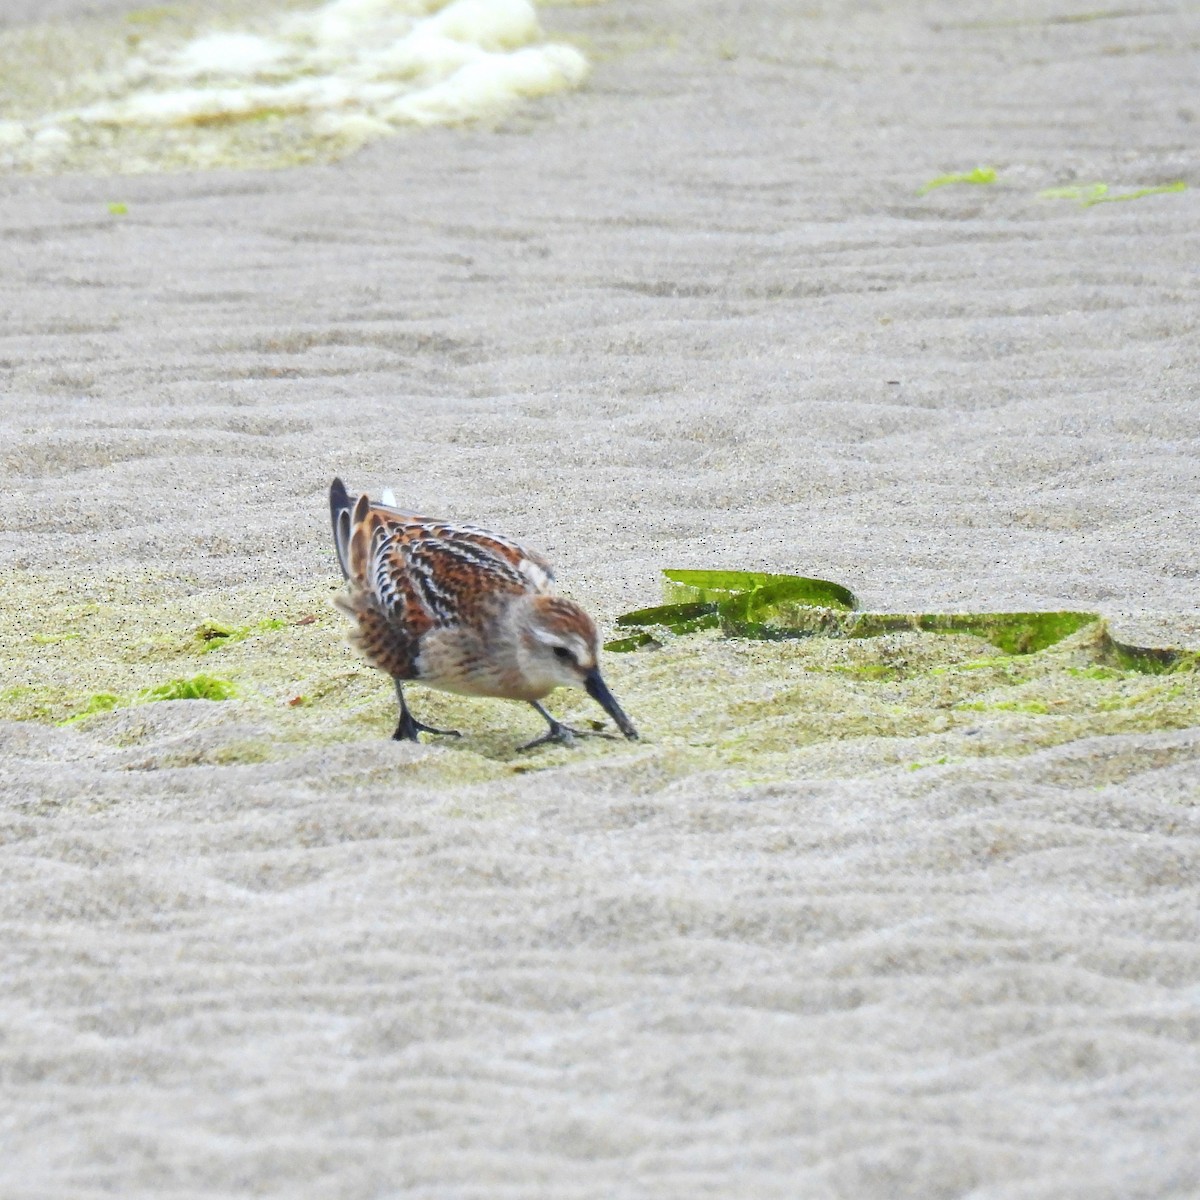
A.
pixel 312 83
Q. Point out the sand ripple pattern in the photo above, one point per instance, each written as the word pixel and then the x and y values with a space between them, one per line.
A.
pixel 856 988
pixel 699 317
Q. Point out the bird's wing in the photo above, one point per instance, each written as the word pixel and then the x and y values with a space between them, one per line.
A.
pixel 422 571
pixel 537 571
pixel 377 568
pixel 454 578
pixel 419 575
pixel 533 568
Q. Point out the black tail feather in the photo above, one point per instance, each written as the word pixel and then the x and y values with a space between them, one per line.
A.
pixel 341 505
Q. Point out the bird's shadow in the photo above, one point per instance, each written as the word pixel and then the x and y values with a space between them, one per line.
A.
pixel 503 743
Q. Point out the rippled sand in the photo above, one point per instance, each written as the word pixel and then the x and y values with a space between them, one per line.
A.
pixel 693 315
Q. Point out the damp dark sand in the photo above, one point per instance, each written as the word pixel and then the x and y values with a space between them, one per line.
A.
pixel 905 916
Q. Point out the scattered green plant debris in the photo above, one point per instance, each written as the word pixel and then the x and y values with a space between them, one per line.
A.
pixel 97 703
pixel 212 635
pixel 747 708
pixel 1177 186
pixel 635 641
pixel 675 618
pixel 1097 193
pixel 117 208
pixel 1085 193
pixel 29 703
pixel 198 687
pixel 1110 14
pixel 213 631
pixel 707 599
pixel 761 607
pixel 979 175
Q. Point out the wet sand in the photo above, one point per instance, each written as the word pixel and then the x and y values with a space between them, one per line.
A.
pixel 693 315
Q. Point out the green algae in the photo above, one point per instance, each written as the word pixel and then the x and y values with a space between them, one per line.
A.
pixel 1055 676
pixel 28 702
pixel 197 687
pixel 1148 660
pixel 1086 194
pixel 214 635
pixel 762 607
pixel 707 599
pixel 980 175
pixel 1089 194
pixel 706 703
pixel 761 588
pixel 1083 18
pixel 98 702
pixel 1014 633
pixel 677 619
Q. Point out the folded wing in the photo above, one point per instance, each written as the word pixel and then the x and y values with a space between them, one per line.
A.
pixel 422 572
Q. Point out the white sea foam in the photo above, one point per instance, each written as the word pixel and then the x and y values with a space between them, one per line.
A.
pixel 220 54
pixel 386 59
pixel 354 69
pixel 472 88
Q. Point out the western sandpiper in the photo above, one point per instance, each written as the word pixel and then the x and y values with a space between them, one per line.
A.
pixel 463 610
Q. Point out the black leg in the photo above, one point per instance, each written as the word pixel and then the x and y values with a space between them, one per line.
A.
pixel 558 732
pixel 409 726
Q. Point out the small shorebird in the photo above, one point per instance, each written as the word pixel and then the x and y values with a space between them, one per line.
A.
pixel 463 610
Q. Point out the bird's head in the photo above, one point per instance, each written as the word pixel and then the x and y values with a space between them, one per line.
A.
pixel 560 648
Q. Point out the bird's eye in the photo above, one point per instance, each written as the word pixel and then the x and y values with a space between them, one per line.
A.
pixel 563 653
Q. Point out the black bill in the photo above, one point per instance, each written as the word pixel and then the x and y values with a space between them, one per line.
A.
pixel 598 690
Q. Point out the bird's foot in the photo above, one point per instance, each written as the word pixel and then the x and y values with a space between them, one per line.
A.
pixel 409 728
pixel 563 735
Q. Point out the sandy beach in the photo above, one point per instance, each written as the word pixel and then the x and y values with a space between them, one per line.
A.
pixel 891 918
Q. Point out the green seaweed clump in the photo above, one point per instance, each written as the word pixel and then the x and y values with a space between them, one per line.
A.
pixel 707 599
pixel 198 687
pixel 212 635
pixel 773 608
pixel 979 175
pixel 98 702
